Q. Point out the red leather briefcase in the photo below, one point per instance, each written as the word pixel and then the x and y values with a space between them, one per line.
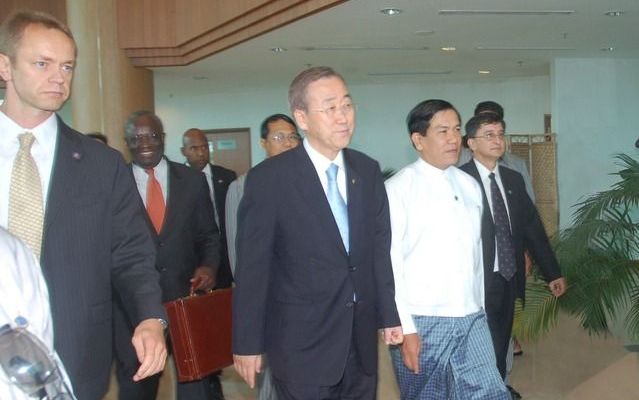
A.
pixel 200 329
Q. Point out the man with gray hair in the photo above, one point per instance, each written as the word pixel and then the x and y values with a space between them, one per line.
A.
pixel 313 278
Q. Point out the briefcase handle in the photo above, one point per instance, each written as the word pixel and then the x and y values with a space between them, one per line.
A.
pixel 195 284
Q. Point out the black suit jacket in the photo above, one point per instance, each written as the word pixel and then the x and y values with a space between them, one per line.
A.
pixel 222 178
pixel 189 237
pixel 527 229
pixel 294 280
pixel 94 237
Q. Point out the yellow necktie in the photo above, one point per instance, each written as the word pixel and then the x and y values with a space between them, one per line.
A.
pixel 26 215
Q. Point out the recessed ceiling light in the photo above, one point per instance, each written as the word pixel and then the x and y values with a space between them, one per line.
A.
pixel 424 33
pixel 390 11
pixel 506 12
pixel 449 48
pixel 278 49
pixel 483 72
pixel 614 13
pixel 607 49
pixel 200 78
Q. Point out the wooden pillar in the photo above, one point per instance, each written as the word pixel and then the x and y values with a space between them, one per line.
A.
pixel 106 87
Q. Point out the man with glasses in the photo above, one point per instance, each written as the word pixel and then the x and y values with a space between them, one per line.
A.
pixel 510 226
pixel 278 134
pixel 180 220
pixel 313 279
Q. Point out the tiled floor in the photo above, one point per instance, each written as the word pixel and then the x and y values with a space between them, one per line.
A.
pixel 566 365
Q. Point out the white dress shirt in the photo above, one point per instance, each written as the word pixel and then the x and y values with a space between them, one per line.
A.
pixel 24 297
pixel 233 198
pixel 42 150
pixel 484 174
pixel 436 242
pixel 321 164
pixel 161 172
pixel 208 172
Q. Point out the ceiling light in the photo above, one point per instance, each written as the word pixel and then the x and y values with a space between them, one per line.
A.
pixel 614 13
pixel 278 49
pixel 424 33
pixel 483 72
pixel 449 48
pixel 360 48
pixel 523 48
pixel 410 73
pixel 506 12
pixel 607 49
pixel 390 11
pixel 200 78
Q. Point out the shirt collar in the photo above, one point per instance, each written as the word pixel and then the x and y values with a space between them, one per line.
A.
pixel 430 170
pixel 320 161
pixel 45 133
pixel 484 172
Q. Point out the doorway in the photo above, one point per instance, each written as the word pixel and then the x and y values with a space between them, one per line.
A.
pixel 230 148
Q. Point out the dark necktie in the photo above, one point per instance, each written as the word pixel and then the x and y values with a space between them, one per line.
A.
pixel 503 237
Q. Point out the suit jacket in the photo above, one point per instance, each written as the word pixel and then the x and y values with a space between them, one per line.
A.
pixel 94 237
pixel 189 237
pixel 294 279
pixel 527 229
pixel 222 178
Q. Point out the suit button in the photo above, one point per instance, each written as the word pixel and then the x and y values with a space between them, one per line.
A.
pixel 349 304
pixel 352 268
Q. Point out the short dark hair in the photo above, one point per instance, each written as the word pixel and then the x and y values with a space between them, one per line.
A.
pixel 98 136
pixel 13 27
pixel 418 119
pixel 297 90
pixel 489 107
pixel 473 124
pixel 129 125
pixel 273 118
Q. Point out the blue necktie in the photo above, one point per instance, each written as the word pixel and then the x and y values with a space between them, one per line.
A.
pixel 503 237
pixel 338 206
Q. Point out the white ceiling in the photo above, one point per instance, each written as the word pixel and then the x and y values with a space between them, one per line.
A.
pixel 366 46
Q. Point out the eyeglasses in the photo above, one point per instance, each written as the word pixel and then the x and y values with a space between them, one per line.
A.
pixel 152 137
pixel 282 137
pixel 331 112
pixel 491 137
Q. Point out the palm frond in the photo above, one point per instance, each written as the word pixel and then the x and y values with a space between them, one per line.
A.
pixel 598 256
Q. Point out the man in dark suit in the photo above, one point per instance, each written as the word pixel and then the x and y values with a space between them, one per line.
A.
pixel 510 226
pixel 81 210
pixel 180 219
pixel 195 147
pixel 313 279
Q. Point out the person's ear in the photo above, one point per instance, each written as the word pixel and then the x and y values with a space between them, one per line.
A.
pixel 301 119
pixel 417 138
pixel 5 67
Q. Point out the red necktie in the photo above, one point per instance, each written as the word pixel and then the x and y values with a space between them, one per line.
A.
pixel 155 205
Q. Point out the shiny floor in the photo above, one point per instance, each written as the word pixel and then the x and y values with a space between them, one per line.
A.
pixel 566 365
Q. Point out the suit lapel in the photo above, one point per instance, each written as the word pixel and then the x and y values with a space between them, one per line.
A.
pixel 312 192
pixel 149 224
pixel 65 175
pixel 174 196
pixel 354 189
pixel 510 201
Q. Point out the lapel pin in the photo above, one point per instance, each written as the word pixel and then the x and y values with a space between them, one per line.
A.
pixel 76 155
pixel 353 181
